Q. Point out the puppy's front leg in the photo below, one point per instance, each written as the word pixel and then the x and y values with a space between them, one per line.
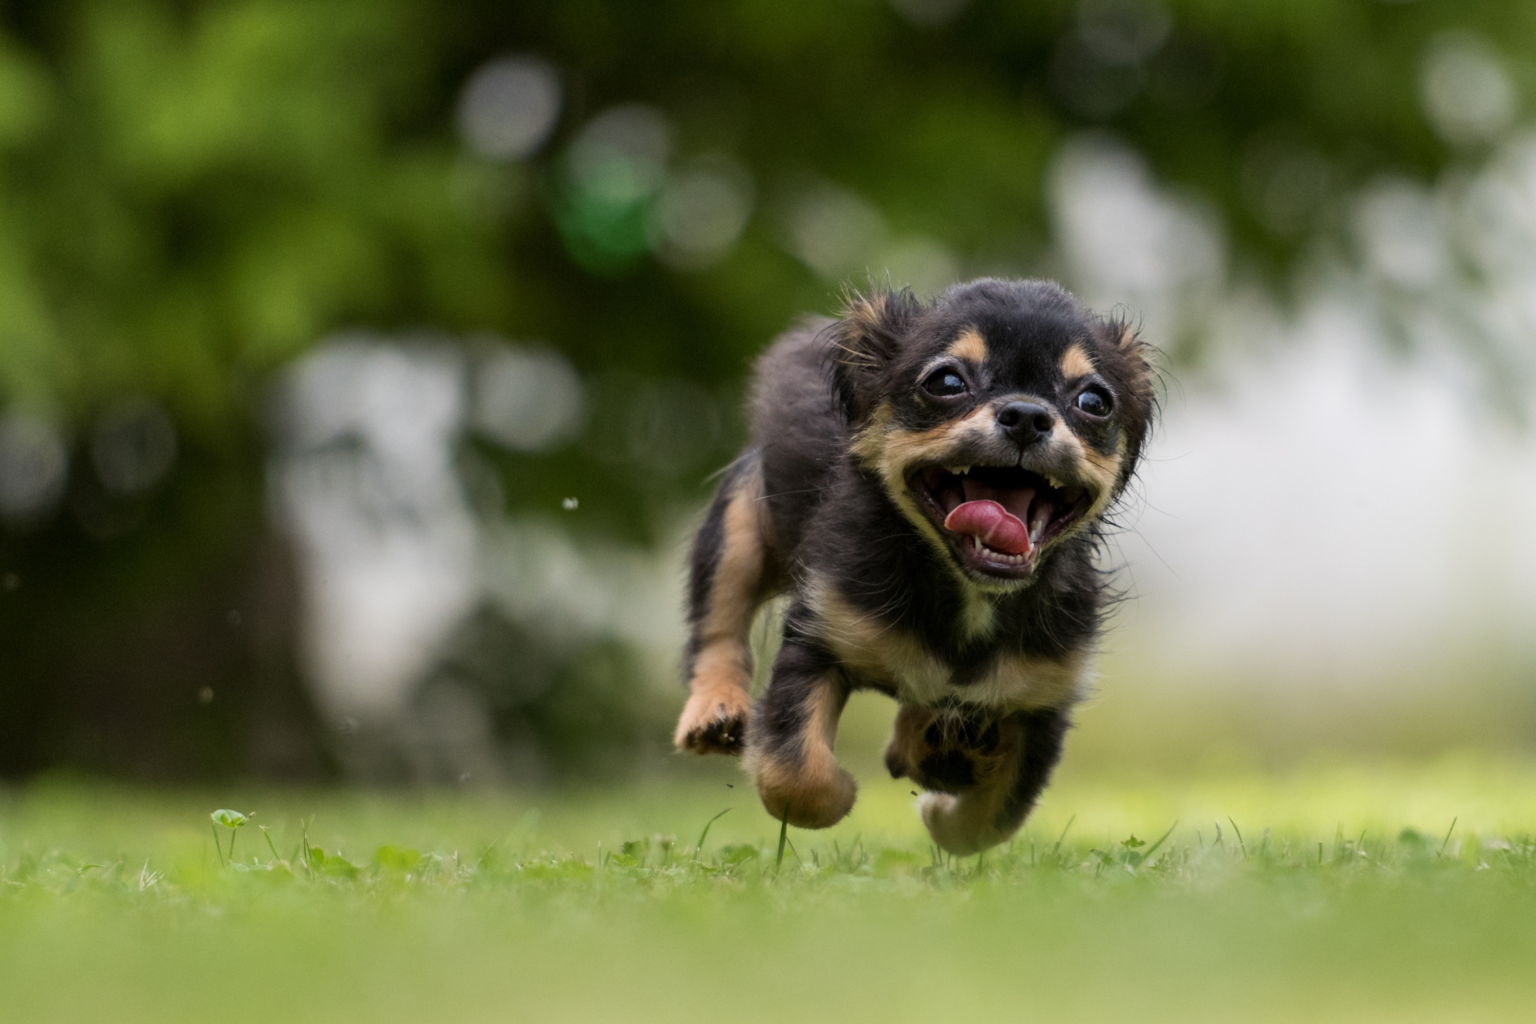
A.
pixel 1008 778
pixel 725 587
pixel 789 744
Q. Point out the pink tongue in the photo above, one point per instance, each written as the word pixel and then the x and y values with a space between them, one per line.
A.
pixel 997 528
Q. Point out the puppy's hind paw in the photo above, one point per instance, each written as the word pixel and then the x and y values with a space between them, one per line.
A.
pixel 714 722
pixel 957 825
pixel 954 826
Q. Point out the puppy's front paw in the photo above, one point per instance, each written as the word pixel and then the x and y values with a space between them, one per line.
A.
pixel 945 750
pixel 714 721
pixel 818 794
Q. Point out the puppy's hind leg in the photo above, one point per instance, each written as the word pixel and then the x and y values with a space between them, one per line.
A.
pixel 793 728
pixel 726 584
pixel 1007 780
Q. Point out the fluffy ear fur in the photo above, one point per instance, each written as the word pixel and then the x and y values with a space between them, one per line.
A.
pixel 1128 360
pixel 864 342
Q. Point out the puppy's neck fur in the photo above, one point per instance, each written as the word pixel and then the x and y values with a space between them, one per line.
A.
pixel 978 614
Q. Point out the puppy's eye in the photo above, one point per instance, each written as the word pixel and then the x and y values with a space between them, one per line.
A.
pixel 1094 402
pixel 944 383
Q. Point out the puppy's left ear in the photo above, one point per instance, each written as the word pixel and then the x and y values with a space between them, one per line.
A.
pixel 864 342
pixel 1128 361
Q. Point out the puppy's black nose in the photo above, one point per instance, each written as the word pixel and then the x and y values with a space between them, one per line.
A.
pixel 1025 422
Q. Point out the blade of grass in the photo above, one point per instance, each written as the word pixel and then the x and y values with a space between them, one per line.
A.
pixel 304 841
pixel 1061 838
pixel 1448 832
pixel 783 838
pixel 270 845
pixel 481 859
pixel 699 849
pixel 1146 857
pixel 1239 833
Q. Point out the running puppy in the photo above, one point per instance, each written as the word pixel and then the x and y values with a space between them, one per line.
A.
pixel 927 482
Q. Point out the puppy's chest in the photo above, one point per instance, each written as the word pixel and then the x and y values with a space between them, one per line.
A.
pixel 897 662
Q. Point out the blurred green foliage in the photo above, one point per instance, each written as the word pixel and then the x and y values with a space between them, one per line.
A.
pixel 192 192
pixel 195 192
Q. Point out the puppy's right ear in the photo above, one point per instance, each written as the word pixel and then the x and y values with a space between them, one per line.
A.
pixel 864 343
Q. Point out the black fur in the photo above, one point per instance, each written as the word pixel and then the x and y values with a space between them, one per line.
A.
pixel 1044 732
pixel 802 665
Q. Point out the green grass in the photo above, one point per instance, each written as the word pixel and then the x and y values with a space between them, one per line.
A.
pixel 1335 892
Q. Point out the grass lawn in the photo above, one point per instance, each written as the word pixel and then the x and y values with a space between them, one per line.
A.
pixel 1335 892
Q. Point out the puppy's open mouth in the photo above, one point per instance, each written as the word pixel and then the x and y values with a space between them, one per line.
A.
pixel 999 517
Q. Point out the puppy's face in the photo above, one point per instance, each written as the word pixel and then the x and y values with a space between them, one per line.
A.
pixel 1001 419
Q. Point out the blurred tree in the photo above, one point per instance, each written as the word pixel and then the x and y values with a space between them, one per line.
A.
pixel 194 191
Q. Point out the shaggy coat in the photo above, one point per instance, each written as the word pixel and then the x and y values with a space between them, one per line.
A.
pixel 927 483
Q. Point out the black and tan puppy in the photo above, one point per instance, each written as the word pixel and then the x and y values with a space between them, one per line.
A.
pixel 927 482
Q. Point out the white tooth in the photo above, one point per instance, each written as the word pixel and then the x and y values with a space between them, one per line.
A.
pixel 1038 524
pixel 961 470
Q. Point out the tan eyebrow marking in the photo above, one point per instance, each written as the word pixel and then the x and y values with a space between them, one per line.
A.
pixel 1075 363
pixel 970 346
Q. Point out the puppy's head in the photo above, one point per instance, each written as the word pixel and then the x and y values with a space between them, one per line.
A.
pixel 1001 419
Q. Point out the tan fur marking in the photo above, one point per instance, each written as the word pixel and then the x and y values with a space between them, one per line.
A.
pixel 733 596
pixel 1017 682
pixel 866 311
pixel 1106 468
pixel 1076 364
pixel 880 654
pixel 813 791
pixel 720 686
pixel 970 346
pixel 891 453
pixel 908 744
pixel 1098 469
pixel 891 658
pixel 978 616
pixel 905 448
pixel 870 441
